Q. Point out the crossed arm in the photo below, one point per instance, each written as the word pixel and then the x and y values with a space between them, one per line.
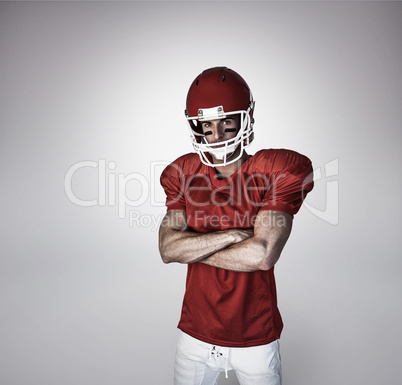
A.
pixel 232 249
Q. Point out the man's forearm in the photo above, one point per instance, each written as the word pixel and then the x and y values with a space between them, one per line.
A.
pixel 185 246
pixel 245 256
pixel 233 249
pixel 179 244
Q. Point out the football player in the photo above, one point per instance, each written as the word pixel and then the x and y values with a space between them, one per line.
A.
pixel 229 215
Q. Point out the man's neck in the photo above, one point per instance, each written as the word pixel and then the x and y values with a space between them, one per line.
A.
pixel 228 170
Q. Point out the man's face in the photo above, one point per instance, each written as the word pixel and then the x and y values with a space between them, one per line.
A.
pixel 219 130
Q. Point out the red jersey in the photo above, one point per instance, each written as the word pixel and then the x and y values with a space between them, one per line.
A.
pixel 222 307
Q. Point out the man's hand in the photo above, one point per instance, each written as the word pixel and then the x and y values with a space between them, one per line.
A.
pixel 241 234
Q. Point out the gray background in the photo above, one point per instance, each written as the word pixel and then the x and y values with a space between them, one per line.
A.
pixel 85 298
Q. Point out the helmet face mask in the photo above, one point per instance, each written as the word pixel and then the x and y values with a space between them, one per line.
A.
pixel 223 151
pixel 215 94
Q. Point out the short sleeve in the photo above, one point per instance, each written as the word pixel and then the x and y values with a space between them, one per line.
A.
pixel 290 180
pixel 172 182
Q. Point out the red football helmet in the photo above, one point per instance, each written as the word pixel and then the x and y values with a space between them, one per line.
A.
pixel 215 94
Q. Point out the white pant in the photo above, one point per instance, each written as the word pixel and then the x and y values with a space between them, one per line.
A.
pixel 199 363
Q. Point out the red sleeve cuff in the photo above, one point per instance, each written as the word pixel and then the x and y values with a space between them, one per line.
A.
pixel 280 206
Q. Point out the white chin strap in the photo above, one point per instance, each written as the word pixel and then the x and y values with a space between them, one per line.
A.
pixel 223 152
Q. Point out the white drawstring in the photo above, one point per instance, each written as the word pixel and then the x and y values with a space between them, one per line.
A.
pixel 216 353
pixel 226 364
